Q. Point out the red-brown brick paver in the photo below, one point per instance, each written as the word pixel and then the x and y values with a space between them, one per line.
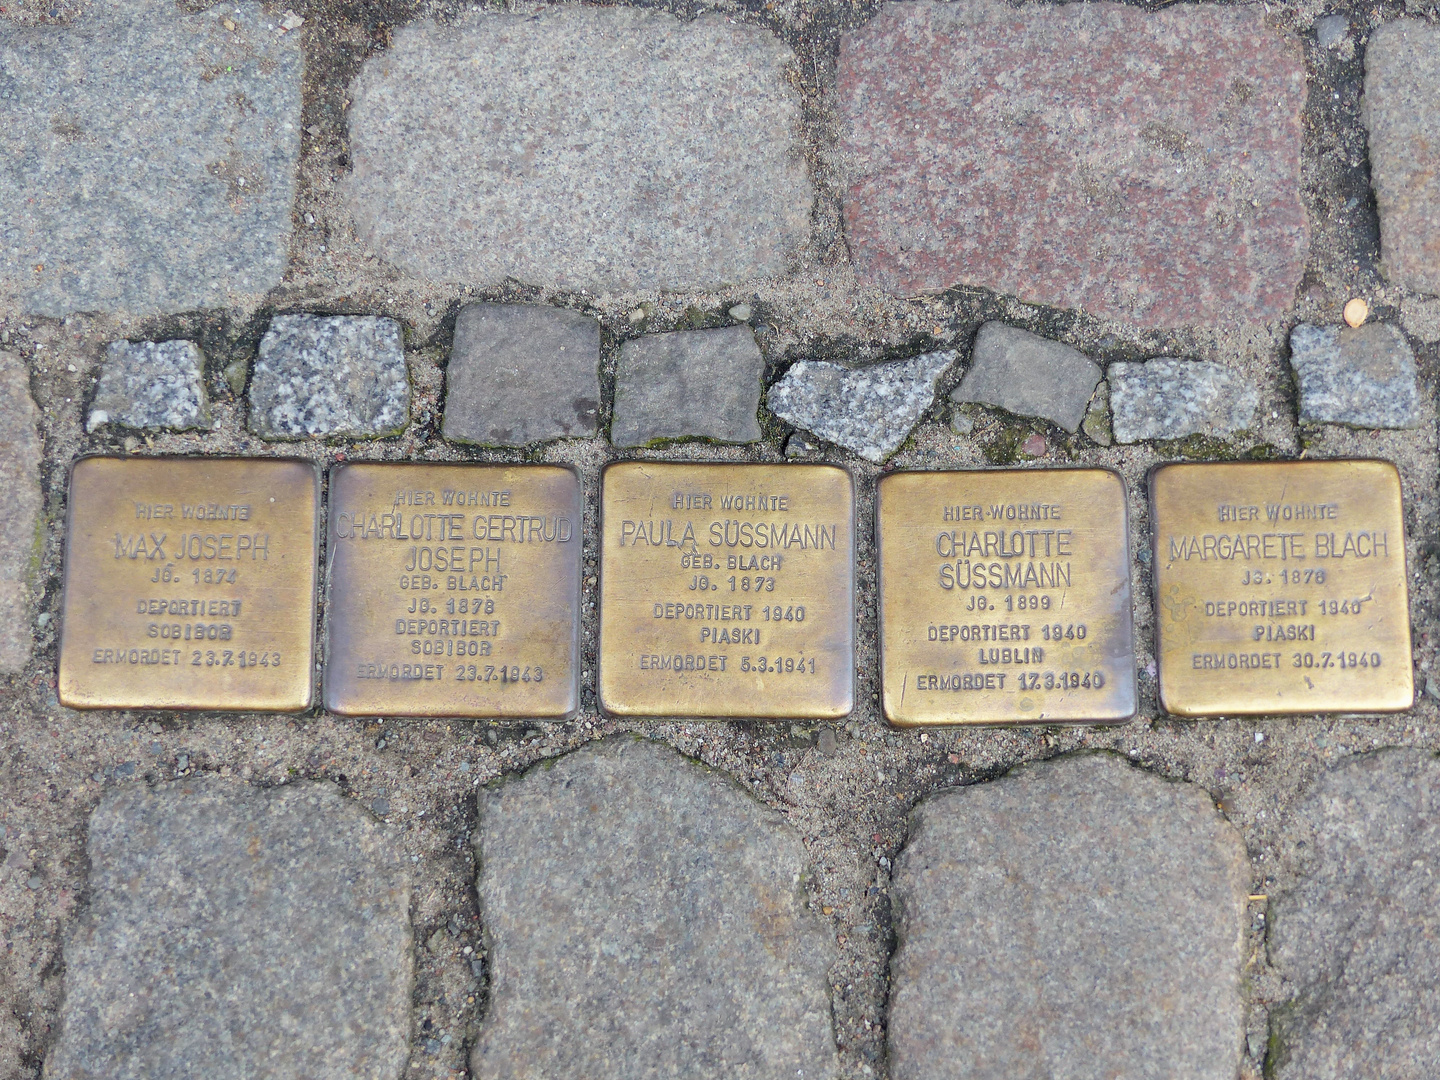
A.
pixel 1142 166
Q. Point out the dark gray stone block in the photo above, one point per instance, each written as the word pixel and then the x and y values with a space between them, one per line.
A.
pixel 520 374
pixel 1362 376
pixel 688 384
pixel 1029 375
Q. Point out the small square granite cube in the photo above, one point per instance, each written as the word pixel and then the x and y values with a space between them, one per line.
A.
pixel 522 374
pixel 690 384
pixel 151 384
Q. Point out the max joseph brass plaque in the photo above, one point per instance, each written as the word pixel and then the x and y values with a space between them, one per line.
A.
pixel 1280 588
pixel 1005 597
pixel 190 584
pixel 454 590
pixel 727 590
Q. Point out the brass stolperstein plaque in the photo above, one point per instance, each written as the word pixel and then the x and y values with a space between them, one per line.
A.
pixel 454 590
pixel 1280 588
pixel 727 590
pixel 1005 597
pixel 190 584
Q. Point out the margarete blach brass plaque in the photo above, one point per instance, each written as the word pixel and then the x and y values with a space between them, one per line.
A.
pixel 727 590
pixel 1005 597
pixel 454 590
pixel 1280 588
pixel 190 584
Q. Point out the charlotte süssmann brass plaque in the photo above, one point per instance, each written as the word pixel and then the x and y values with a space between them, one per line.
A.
pixel 454 590
pixel 727 590
pixel 1280 588
pixel 1005 597
pixel 190 584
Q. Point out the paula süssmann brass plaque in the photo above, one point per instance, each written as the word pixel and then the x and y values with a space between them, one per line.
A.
pixel 190 584
pixel 1005 597
pixel 454 590
pixel 1280 588
pixel 727 590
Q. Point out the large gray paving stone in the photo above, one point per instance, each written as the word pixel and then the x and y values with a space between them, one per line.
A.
pixel 1029 375
pixel 870 410
pixel 590 148
pixel 320 376
pixel 20 455
pixel 520 373
pixel 1170 398
pixel 1140 165
pixel 646 918
pixel 1364 376
pixel 1078 918
pixel 235 933
pixel 688 384
pixel 151 384
pixel 1401 108
pixel 1358 937
pixel 147 159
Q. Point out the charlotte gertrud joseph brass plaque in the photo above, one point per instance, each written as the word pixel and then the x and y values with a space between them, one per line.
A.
pixel 1280 588
pixel 454 590
pixel 727 590
pixel 1005 597
pixel 190 584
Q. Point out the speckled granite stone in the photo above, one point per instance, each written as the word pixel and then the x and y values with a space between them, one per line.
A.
pixel 147 159
pixel 688 384
pixel 233 933
pixel 1089 156
pixel 581 148
pixel 521 373
pixel 319 376
pixel 645 918
pixel 1078 918
pixel 1170 398
pixel 869 410
pixel 1401 107
pixel 1028 375
pixel 1358 936
pixel 1362 376
pixel 20 455
pixel 151 384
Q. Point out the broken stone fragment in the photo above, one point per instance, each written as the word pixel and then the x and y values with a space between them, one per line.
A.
pixel 869 410
pixel 1029 375
pixel 151 384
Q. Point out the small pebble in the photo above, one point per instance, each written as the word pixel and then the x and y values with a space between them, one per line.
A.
pixel 35 882
pixel 961 423
pixel 1356 312
pixel 740 313
pixel 826 742
pixel 1331 30
pixel 1035 446
pixel 800 445
pixel 637 316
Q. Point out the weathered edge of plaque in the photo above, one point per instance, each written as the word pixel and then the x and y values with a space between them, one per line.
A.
pixel 578 598
pixel 909 725
pixel 1210 714
pixel 849 704
pixel 314 467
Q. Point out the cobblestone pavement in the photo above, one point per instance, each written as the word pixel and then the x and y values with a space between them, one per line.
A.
pixel 1176 200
